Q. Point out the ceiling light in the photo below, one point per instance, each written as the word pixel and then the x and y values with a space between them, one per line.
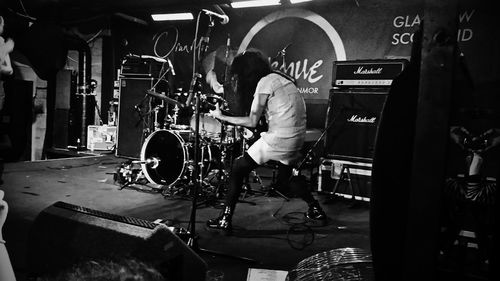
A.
pixel 254 3
pixel 172 16
pixel 299 1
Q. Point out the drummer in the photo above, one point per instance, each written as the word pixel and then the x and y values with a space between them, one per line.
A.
pixel 277 97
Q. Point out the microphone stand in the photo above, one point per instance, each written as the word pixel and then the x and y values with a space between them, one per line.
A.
pixel 316 143
pixel 196 180
pixel 282 54
pixel 196 177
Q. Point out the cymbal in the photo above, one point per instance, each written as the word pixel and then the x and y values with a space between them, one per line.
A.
pixel 165 98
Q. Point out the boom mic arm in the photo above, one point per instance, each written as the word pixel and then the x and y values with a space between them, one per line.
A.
pixel 223 18
pixel 172 70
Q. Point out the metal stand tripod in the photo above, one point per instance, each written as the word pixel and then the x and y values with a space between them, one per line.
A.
pixel 195 181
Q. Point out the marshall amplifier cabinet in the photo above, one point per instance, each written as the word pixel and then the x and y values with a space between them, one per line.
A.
pixel 352 122
pixel 355 105
pixel 360 89
pixel 366 73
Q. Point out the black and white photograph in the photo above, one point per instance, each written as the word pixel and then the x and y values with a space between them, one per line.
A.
pixel 249 140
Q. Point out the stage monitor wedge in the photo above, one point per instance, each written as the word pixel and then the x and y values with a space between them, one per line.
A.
pixel 64 234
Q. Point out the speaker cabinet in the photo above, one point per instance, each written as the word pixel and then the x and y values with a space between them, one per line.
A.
pixel 67 112
pixel 18 117
pixel 64 234
pixel 352 122
pixel 133 107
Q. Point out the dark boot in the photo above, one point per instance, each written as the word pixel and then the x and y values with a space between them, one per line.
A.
pixel 315 212
pixel 222 222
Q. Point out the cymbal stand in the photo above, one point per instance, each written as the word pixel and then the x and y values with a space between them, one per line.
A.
pixel 196 183
pixel 176 114
pixel 220 176
pixel 156 110
pixel 272 190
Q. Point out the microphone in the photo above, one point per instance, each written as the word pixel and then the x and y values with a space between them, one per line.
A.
pixel 154 162
pixel 171 66
pixel 224 18
pixel 283 51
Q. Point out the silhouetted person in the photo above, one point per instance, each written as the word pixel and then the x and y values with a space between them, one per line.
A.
pixel 6 47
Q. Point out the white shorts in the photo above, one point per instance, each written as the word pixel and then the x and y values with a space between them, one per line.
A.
pixel 261 152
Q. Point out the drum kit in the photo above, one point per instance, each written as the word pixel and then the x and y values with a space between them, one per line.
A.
pixel 167 153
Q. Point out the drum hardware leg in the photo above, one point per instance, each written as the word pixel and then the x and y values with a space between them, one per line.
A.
pixel 247 189
pixel 126 175
pixel 272 190
pixel 221 178
pixel 125 185
pixel 211 198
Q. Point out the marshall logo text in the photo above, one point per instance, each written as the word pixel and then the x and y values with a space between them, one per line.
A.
pixel 356 119
pixel 362 70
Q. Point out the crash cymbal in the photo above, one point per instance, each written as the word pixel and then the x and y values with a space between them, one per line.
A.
pixel 163 97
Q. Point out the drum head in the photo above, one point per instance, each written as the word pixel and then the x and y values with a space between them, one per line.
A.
pixel 168 149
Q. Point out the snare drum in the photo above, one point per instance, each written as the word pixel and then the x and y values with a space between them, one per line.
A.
pixel 166 156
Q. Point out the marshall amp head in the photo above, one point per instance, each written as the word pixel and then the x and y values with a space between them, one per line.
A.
pixel 140 67
pixel 366 73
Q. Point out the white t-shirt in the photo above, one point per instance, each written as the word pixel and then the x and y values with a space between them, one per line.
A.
pixel 286 117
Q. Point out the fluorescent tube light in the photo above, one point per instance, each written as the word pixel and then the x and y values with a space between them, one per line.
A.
pixel 299 1
pixel 254 3
pixel 172 16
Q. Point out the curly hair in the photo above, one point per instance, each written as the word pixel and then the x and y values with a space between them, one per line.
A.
pixel 248 68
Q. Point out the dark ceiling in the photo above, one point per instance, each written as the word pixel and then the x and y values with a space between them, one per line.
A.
pixel 73 10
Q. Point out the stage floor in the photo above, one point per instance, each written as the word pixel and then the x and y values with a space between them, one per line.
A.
pixel 261 229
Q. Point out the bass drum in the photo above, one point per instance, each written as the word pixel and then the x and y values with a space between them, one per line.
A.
pixel 166 156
